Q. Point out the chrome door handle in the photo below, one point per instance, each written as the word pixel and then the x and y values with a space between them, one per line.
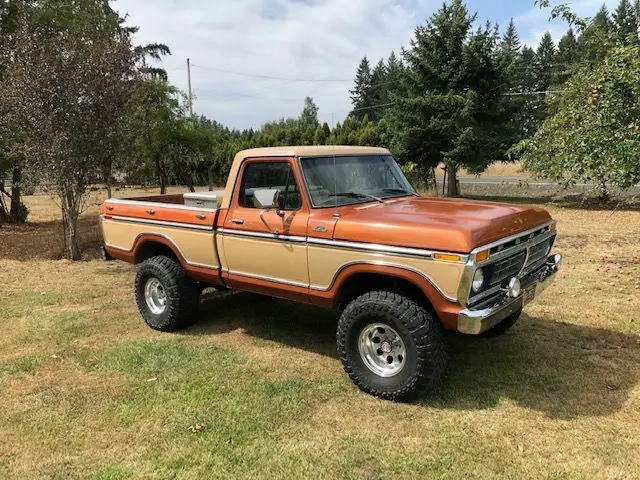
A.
pixel 151 212
pixel 237 221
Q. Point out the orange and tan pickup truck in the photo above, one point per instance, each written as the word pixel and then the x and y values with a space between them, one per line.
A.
pixel 343 229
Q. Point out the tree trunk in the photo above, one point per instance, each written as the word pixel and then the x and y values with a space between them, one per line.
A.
pixel 190 184
pixel 210 174
pixel 603 193
pixel 16 200
pixel 70 219
pixel 163 184
pixel 452 181
pixel 107 180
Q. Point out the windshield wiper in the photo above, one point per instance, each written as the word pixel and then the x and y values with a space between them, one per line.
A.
pixel 399 190
pixel 357 195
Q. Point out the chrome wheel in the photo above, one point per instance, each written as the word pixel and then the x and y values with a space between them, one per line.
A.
pixel 382 350
pixel 155 296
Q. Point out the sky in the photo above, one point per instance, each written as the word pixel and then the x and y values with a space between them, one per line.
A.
pixel 254 61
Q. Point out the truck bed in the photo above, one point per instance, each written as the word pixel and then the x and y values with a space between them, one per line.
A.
pixel 130 224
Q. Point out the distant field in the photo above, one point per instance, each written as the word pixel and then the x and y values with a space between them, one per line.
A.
pixel 500 169
pixel 255 390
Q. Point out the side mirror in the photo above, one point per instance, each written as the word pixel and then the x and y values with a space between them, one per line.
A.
pixel 267 198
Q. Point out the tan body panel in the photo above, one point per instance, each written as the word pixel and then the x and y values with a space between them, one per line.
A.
pixel 195 246
pixel 281 262
pixel 325 263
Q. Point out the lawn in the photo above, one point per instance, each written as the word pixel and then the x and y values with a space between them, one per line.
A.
pixel 255 389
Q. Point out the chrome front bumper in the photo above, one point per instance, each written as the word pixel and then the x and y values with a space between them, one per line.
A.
pixel 474 322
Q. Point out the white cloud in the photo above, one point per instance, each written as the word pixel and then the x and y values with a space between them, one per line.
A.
pixel 535 22
pixel 319 39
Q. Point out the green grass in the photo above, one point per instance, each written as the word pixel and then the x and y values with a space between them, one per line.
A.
pixel 88 391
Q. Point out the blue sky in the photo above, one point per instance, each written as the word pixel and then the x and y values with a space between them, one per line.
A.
pixel 297 48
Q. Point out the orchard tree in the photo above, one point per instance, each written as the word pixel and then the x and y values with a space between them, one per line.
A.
pixel 593 134
pixel 70 64
pixel 155 117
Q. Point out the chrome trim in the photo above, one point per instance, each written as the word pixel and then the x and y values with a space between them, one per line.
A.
pixel 166 237
pixel 269 236
pixel 464 289
pixel 375 247
pixel 133 201
pixel 190 226
pixel 474 322
pixel 383 264
pixel 518 248
pixel 512 237
pixel 267 279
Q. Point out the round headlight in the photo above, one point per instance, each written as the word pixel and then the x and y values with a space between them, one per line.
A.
pixel 514 289
pixel 478 280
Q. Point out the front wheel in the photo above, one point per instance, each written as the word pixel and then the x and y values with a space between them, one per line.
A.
pixel 167 299
pixel 391 346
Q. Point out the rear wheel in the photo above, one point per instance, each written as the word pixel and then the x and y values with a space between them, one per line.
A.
pixel 167 299
pixel 391 346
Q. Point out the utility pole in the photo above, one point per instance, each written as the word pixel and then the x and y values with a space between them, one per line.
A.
pixel 190 92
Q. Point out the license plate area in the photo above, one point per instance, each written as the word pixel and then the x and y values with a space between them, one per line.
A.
pixel 529 295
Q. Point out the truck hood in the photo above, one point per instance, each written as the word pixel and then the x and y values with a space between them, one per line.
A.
pixel 451 225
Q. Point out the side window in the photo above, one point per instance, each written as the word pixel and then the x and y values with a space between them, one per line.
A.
pixel 270 175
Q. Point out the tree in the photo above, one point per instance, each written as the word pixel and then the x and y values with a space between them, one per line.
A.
pixel 155 118
pixel 70 63
pixel 452 110
pixel 361 93
pixel 308 121
pixel 11 15
pixel 566 58
pixel 626 23
pixel 594 131
pixel 545 56
pixel 595 40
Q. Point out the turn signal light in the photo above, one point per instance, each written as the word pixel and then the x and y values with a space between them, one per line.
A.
pixel 447 257
pixel 482 256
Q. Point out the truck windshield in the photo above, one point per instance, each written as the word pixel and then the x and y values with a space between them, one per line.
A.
pixel 336 181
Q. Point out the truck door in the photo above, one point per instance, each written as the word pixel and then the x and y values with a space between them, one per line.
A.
pixel 267 248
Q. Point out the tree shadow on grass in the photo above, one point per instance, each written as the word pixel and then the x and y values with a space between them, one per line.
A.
pixel 44 240
pixel 561 369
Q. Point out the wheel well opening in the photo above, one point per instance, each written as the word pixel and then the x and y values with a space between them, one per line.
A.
pixel 360 283
pixel 151 249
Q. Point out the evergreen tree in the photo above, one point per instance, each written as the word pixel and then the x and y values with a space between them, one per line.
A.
pixel 545 56
pixel 361 93
pixel 595 39
pixel 451 113
pixel 625 22
pixel 379 93
pixel 508 53
pixel 308 121
pixel 566 58
pixel 509 61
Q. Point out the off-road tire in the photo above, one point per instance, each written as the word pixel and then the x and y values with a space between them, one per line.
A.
pixel 426 350
pixel 503 326
pixel 182 294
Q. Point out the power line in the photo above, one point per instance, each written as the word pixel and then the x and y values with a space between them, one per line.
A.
pixel 271 77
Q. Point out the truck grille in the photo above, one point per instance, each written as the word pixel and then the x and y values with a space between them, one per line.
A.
pixel 539 252
pixel 505 269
